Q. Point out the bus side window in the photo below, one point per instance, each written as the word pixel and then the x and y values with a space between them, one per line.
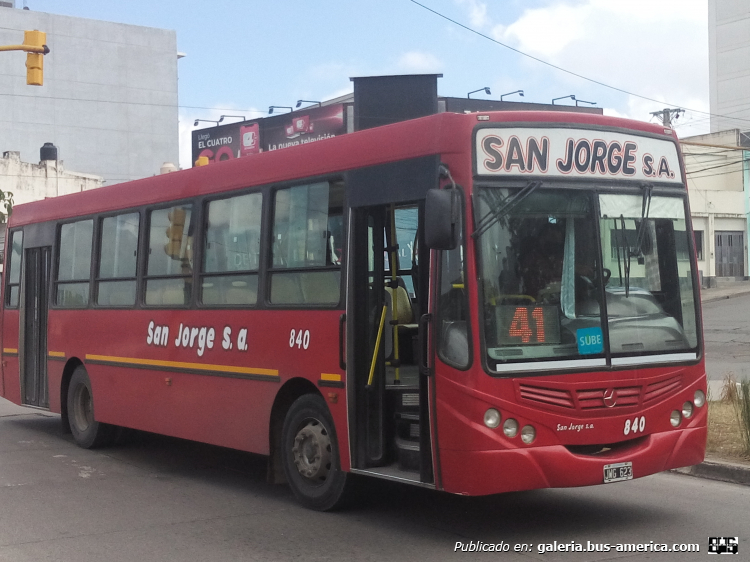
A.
pixel 170 256
pixel 231 257
pixel 453 318
pixel 118 257
pixel 14 275
pixel 74 265
pixel 307 244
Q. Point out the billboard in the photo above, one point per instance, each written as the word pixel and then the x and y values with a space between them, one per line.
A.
pixel 236 140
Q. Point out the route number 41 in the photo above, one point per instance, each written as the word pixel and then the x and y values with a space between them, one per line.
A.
pixel 302 341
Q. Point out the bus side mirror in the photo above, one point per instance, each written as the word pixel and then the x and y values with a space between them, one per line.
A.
pixel 441 209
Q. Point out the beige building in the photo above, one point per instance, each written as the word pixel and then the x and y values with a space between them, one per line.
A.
pixel 49 178
pixel 716 178
pixel 32 182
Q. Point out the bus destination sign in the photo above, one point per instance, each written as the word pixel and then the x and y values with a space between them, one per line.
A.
pixel 575 153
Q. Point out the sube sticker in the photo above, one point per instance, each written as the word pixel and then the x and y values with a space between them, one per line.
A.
pixel 590 341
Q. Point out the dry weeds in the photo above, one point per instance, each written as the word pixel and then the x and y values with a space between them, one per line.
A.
pixel 724 436
pixel 725 429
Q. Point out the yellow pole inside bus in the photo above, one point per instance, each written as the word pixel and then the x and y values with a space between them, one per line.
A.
pixel 377 346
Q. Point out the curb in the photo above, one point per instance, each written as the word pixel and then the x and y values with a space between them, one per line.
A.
pixel 718 470
pixel 712 298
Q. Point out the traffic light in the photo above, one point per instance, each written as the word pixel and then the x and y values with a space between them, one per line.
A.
pixel 35 60
pixel 174 232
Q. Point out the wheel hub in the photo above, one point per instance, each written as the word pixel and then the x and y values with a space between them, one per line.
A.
pixel 312 451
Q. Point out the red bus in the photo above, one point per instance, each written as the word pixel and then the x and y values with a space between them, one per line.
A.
pixel 473 303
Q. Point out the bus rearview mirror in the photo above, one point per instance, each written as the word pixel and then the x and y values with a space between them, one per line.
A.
pixel 441 219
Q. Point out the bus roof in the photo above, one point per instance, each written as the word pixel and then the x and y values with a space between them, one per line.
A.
pixel 436 134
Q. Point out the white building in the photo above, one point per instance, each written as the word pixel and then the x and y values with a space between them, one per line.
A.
pixel 717 179
pixel 109 99
pixel 729 64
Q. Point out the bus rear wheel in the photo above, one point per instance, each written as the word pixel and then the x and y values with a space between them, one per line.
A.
pixel 87 432
pixel 310 455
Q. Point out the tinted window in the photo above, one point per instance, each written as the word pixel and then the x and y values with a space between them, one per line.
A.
pixel 231 254
pixel 170 255
pixel 74 264
pixel 14 275
pixel 308 235
pixel 75 250
pixel 118 259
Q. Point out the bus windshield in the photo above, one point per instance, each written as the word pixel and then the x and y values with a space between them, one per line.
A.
pixel 549 259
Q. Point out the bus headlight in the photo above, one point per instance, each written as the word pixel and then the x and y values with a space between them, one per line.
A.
pixel 528 434
pixel 510 427
pixel 675 418
pixel 687 410
pixel 699 399
pixel 492 418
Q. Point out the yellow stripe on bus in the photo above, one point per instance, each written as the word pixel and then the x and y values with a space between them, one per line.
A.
pixel 9 350
pixel 180 365
pixel 330 377
pixel 56 353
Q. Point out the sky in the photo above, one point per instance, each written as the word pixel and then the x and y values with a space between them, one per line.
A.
pixel 632 57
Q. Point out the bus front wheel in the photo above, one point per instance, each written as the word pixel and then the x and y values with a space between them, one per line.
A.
pixel 310 455
pixel 87 432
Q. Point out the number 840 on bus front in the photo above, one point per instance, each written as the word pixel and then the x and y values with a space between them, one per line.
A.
pixel 637 425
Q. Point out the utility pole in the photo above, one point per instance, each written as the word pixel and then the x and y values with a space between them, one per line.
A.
pixel 666 115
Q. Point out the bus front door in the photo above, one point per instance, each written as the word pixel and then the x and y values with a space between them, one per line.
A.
pixel 387 296
pixel 34 345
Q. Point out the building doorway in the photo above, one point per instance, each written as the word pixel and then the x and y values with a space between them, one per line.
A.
pixel 730 253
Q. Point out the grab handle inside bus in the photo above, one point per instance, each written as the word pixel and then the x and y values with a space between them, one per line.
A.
pixel 424 364
pixel 342 349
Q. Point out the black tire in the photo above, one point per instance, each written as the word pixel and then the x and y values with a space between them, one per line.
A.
pixel 87 432
pixel 310 455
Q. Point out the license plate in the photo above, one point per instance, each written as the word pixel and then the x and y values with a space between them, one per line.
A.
pixel 618 472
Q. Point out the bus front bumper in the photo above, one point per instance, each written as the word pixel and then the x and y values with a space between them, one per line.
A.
pixel 491 472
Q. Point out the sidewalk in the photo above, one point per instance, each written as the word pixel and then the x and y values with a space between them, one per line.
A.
pixel 725 291
pixel 719 469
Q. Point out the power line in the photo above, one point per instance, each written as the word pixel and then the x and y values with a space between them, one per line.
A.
pixel 134 103
pixel 714 175
pixel 565 70
pixel 722 165
pixel 718 167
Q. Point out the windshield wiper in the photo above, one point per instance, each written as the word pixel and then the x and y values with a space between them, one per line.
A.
pixel 645 208
pixel 618 245
pixel 504 207
pixel 628 255
pixel 637 250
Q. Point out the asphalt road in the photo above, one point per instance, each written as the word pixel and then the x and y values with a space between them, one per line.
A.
pixel 726 332
pixel 153 498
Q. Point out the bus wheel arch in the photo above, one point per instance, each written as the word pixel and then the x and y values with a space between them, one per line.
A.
pixel 292 389
pixel 310 455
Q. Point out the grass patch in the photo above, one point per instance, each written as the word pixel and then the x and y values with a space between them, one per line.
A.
pixel 724 435
pixel 729 421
